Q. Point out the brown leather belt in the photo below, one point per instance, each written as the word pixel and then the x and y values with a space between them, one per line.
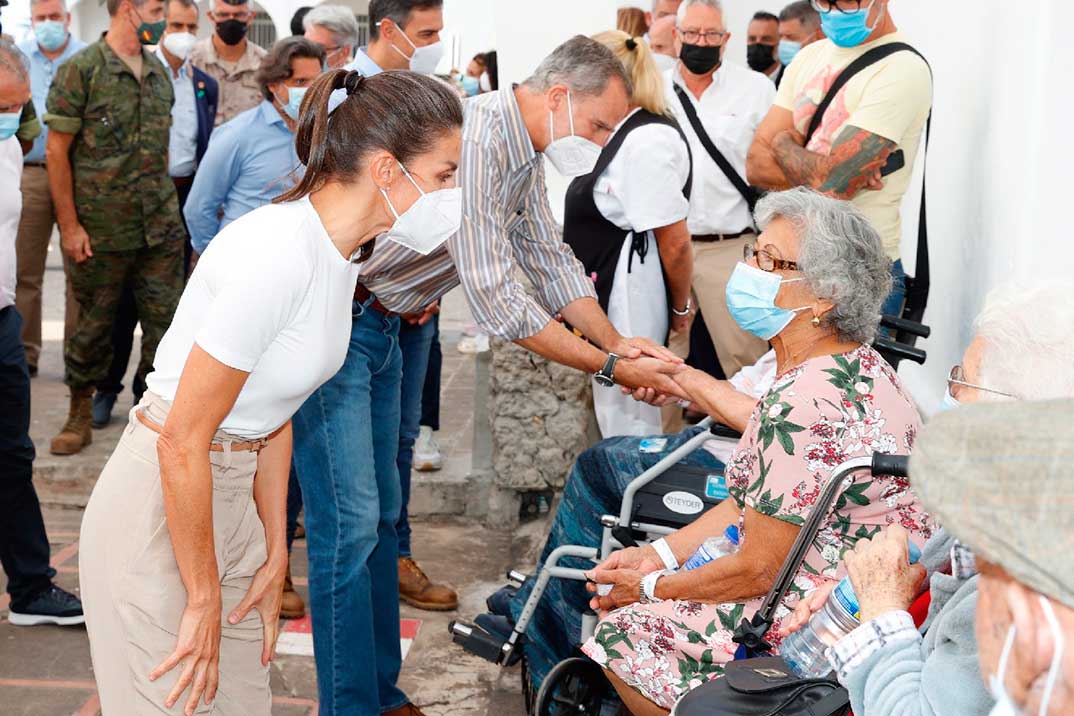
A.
pixel 712 238
pixel 244 446
pixel 363 294
pixel 182 182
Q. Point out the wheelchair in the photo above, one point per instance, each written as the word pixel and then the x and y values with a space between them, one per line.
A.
pixel 661 500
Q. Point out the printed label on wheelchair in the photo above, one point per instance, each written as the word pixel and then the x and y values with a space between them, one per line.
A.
pixel 679 496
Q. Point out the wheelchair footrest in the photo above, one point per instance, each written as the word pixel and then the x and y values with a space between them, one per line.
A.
pixel 477 641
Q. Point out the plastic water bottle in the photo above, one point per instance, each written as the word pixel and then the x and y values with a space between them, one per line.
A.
pixel 804 650
pixel 713 548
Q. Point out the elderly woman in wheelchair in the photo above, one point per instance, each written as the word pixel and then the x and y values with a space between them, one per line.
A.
pixel 813 284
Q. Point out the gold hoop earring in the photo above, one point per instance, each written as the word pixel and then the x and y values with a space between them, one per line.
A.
pixel 816 321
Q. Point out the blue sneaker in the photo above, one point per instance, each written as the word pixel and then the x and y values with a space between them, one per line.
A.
pixel 50 606
pixel 102 408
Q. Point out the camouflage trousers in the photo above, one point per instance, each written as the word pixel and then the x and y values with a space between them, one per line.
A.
pixel 155 274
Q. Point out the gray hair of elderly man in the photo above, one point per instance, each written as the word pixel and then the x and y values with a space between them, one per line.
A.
pixel 336 19
pixel 584 65
pixel 13 62
pixel 716 5
pixel 1028 340
pixel 841 256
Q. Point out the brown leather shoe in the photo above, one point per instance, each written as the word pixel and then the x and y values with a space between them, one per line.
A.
pixel 77 432
pixel 292 606
pixel 416 590
pixel 405 710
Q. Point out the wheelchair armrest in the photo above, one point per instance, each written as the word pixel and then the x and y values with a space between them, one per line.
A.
pixel 903 325
pixel 722 431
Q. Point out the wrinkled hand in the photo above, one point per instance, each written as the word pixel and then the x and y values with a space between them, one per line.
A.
pixel 420 319
pixel 650 396
pixel 882 575
pixel 650 373
pixel 806 608
pixel 75 242
pixel 626 589
pixel 265 595
pixel 197 652
pixel 638 347
pixel 641 559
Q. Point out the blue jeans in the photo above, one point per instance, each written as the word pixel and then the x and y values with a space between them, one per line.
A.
pixel 430 395
pixel 346 441
pixel 893 304
pixel 414 344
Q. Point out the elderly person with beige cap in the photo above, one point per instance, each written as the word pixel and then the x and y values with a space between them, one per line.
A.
pixel 1022 350
pixel 999 477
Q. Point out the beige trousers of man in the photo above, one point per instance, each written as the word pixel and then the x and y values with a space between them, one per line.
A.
pixel 31 252
pixel 134 596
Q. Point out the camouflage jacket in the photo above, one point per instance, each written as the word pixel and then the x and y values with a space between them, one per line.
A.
pixel 119 158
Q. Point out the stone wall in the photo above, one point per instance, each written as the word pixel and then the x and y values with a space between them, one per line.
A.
pixel 541 416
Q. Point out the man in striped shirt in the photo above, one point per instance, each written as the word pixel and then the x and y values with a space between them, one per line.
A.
pixel 347 433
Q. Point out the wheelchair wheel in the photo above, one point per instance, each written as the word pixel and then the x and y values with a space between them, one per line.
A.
pixel 573 686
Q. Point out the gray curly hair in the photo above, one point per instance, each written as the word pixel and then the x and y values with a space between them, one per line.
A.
pixel 841 256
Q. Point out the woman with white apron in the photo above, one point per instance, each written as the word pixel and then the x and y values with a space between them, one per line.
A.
pixel 626 222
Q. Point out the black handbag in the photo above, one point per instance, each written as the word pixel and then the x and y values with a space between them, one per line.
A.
pixel 764 685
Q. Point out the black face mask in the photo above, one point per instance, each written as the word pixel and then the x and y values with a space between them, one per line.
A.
pixel 700 59
pixel 231 31
pixel 761 57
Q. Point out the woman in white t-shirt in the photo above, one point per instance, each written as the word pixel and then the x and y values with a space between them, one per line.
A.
pixel 626 222
pixel 182 551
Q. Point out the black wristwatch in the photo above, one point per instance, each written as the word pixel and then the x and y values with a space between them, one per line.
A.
pixel 606 375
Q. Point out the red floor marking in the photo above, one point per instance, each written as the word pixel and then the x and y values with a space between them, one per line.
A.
pixel 299 626
pixel 408 628
pixel 91 708
pixel 64 554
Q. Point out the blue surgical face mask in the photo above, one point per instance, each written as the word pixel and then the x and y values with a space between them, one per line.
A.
pixel 9 124
pixel 788 50
pixel 50 34
pixel 751 300
pixel 470 85
pixel 849 29
pixel 949 402
pixel 294 101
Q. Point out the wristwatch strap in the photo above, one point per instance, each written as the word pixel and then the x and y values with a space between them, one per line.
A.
pixel 666 555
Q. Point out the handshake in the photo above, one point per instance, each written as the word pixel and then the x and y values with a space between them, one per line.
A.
pixel 651 373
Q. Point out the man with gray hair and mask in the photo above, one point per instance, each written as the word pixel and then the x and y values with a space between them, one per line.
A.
pixel 335 28
pixel 24 546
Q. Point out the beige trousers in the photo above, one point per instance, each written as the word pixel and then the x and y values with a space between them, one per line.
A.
pixel 31 252
pixel 134 596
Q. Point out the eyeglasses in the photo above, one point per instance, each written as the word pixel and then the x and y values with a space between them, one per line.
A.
pixel 843 6
pixel 712 37
pixel 956 381
pixel 766 261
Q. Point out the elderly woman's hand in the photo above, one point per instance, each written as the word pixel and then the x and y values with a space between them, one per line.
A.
pixel 809 605
pixel 626 588
pixel 881 573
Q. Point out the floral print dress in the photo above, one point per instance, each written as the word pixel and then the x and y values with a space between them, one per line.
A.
pixel 826 411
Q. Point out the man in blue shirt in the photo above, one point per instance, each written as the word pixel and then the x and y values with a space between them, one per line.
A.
pixel 251 159
pixel 51 46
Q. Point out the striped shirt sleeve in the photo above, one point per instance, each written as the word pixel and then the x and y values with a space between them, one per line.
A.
pixel 548 261
pixel 484 259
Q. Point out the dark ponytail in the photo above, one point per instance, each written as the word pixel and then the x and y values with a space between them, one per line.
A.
pixel 400 112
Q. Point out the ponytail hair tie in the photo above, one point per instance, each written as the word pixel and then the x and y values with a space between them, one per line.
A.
pixel 352 82
pixel 631 44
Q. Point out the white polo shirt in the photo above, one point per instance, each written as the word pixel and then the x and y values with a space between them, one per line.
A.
pixel 10 209
pixel 730 109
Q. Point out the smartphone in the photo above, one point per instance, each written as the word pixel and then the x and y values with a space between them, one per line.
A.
pixel 896 161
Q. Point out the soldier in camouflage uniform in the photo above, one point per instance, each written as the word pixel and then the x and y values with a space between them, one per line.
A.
pixel 109 113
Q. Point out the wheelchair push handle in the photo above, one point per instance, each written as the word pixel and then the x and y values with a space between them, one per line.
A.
pixel 894 465
pixel 900 351
pixel 904 325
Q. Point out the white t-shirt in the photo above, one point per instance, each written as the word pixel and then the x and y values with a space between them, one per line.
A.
pixel 10 209
pixel 642 187
pixel 730 109
pixel 271 296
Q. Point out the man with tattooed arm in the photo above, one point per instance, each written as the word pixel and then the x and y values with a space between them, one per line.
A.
pixel 864 149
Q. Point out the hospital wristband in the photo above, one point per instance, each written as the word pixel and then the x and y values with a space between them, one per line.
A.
pixel 666 555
